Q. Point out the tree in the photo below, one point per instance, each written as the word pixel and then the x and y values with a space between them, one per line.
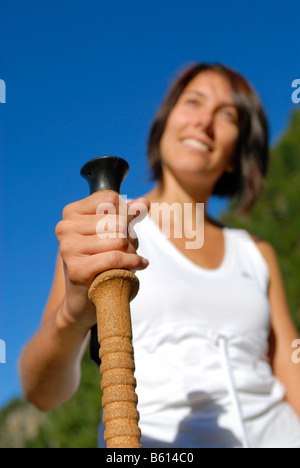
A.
pixel 276 217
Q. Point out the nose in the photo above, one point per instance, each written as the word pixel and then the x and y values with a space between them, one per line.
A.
pixel 205 121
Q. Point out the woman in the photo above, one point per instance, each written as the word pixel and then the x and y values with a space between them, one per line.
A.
pixel 207 374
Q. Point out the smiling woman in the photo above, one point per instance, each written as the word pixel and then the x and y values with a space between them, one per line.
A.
pixel 201 132
pixel 245 178
pixel 206 373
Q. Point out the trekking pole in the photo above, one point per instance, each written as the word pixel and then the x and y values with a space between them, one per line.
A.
pixel 111 292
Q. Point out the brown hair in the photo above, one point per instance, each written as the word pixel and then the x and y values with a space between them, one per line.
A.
pixel 251 155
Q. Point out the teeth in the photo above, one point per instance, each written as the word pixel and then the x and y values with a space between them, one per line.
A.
pixel 195 144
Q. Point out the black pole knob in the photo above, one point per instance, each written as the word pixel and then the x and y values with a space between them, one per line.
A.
pixel 103 173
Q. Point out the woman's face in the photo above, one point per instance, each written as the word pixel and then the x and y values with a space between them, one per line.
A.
pixel 201 131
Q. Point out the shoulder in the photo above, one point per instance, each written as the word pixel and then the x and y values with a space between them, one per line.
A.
pixel 276 286
pixel 268 252
pixel 266 249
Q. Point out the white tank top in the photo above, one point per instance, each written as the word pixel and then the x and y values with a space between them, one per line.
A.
pixel 201 349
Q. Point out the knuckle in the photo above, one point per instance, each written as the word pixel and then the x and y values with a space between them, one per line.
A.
pixel 68 209
pixel 110 196
pixel 65 247
pixel 115 259
pixel 59 229
pixel 63 227
pixel 121 243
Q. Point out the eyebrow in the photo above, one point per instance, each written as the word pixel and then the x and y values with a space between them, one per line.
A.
pixel 199 93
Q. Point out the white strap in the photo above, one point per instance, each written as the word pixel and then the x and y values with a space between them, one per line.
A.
pixel 222 342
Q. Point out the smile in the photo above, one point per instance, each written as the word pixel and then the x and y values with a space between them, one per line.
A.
pixel 194 143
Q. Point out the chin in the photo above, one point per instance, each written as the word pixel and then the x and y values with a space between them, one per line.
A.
pixel 188 170
pixel 192 177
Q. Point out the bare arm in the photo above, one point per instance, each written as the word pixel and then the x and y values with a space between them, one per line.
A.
pixel 283 331
pixel 50 363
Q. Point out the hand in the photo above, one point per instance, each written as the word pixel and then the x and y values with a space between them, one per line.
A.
pixel 93 237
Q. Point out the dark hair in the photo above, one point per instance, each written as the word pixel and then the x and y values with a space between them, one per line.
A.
pixel 252 152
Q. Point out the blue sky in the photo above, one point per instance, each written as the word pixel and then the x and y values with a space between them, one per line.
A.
pixel 83 79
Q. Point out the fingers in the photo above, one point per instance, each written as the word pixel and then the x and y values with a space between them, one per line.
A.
pixel 90 225
pixel 96 234
pixel 105 214
pixel 109 200
pixel 94 245
pixel 85 269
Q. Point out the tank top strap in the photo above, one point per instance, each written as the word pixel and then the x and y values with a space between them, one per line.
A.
pixel 248 259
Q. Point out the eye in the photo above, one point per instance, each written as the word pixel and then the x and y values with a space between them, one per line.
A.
pixel 192 102
pixel 229 115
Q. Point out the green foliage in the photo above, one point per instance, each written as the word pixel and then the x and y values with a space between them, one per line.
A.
pixel 72 425
pixel 276 217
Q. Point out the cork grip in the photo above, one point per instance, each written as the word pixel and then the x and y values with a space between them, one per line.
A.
pixel 112 292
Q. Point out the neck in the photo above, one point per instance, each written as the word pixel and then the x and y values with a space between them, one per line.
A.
pixel 170 190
